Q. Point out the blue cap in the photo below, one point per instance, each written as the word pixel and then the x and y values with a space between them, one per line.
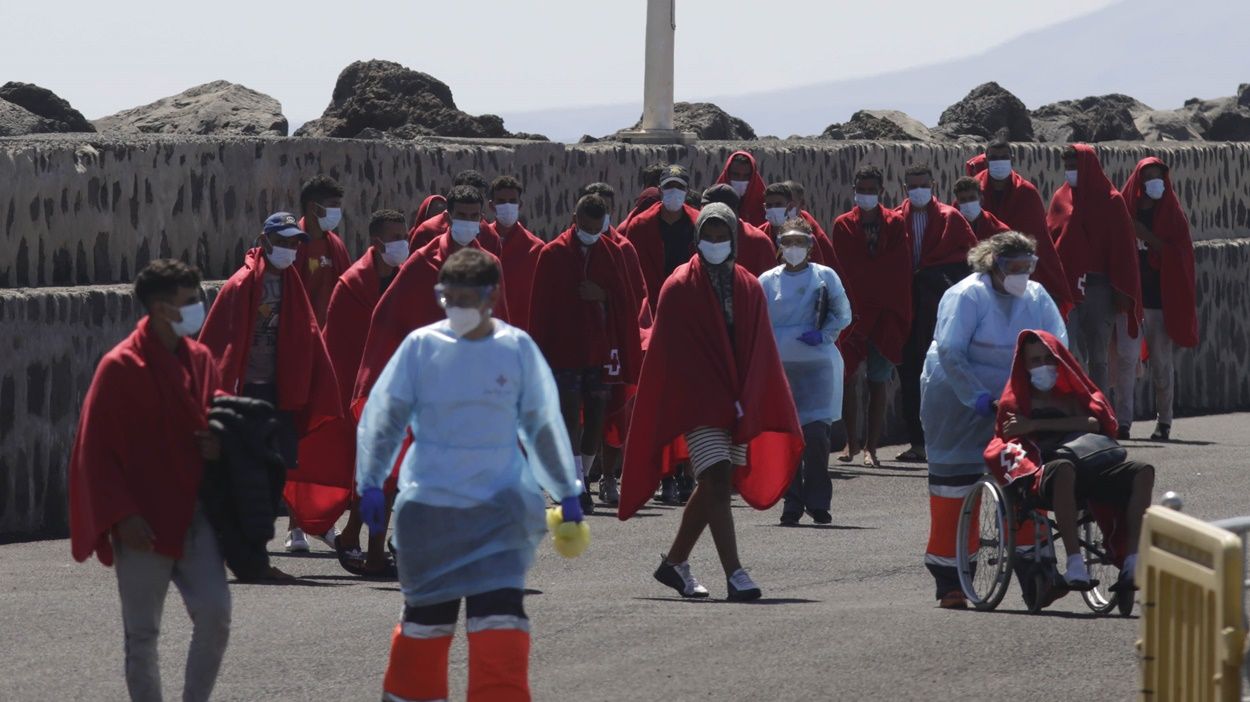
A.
pixel 284 224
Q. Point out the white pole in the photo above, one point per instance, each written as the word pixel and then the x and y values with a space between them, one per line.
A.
pixel 657 93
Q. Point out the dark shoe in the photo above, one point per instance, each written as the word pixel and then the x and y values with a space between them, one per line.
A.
pixel 609 493
pixel 790 518
pixel 668 492
pixel 1163 432
pixel 953 600
pixel 820 516
pixel 588 502
pixel 1123 434
pixel 679 578
pixel 742 588
pixel 685 488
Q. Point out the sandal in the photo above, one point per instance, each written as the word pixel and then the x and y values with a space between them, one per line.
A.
pixel 871 461
pixel 847 456
pixel 911 455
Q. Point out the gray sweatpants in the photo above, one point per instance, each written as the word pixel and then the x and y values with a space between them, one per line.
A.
pixel 143 580
pixel 1089 329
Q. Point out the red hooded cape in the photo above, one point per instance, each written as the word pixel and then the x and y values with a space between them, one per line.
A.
pixel 621 404
pixel 408 304
pixel 338 256
pixel 751 205
pixel 1093 231
pixel 756 251
pixel 947 237
pixel 347 321
pixel 879 286
pixel 1176 262
pixel 644 234
pixel 1021 209
pixel 518 256
pixel 822 251
pixel 423 212
pixel 694 377
pixel 574 333
pixel 434 227
pixel 633 273
pixel 1012 459
pixel 319 489
pixel 136 452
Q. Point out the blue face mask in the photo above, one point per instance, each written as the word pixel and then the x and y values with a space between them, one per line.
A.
pixel 673 199
pixel 920 197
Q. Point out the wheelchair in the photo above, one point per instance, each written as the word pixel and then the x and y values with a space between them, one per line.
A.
pixel 990 521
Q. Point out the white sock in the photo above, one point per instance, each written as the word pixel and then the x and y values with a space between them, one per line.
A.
pixel 1130 564
pixel 1076 568
pixel 581 469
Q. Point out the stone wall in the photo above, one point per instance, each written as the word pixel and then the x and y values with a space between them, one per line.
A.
pixel 77 211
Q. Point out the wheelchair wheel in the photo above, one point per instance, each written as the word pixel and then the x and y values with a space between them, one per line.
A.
pixel 1100 599
pixel 985 544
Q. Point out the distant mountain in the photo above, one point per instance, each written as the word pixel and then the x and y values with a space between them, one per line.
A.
pixel 1158 51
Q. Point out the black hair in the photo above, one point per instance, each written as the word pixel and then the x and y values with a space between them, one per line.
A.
pixel 319 188
pixel 592 205
pixel 471 177
pixel 918 169
pixel 600 189
pixel 967 183
pixel 722 192
pixel 651 174
pixel 797 191
pixel 465 194
pixel 381 217
pixel 470 267
pixel 782 189
pixel 505 182
pixel 694 198
pixel 869 173
pixel 163 277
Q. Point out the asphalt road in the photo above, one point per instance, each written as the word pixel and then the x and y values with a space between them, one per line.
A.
pixel 847 612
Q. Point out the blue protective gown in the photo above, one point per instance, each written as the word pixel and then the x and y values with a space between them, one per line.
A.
pixel 814 372
pixel 470 510
pixel 972 351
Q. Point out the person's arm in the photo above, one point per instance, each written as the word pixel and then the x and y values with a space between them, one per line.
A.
pixel 839 317
pixel 957 320
pixel 541 427
pixel 386 417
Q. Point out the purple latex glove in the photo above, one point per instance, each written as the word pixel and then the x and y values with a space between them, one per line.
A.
pixel 571 509
pixel 812 338
pixel 986 406
pixel 373 510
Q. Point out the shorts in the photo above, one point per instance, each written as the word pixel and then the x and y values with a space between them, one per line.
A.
pixel 880 368
pixel 582 381
pixel 1111 485
pixel 711 445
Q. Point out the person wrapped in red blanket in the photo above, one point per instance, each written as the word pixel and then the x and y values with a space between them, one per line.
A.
pixel 1047 402
pixel 323 258
pixel 712 389
pixel 518 247
pixel 755 250
pixel 741 174
pixel 437 225
pixel 268 345
pixel 431 207
pixel 779 206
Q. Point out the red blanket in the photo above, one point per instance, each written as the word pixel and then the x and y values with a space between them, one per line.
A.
pixel 646 199
pixel 423 211
pixel 434 227
pixel 644 234
pixel 693 377
pixel 135 452
pixel 877 284
pixel 408 304
pixel 319 489
pixel 574 333
pixel 756 251
pixel 1093 232
pixel 319 280
pixel 518 255
pixel 947 236
pixel 1176 262
pixel 1020 208
pixel 347 320
pixel 633 272
pixel 987 225
pixel 751 205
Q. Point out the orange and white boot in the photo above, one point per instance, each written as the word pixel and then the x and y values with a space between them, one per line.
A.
pixel 499 665
pixel 417 671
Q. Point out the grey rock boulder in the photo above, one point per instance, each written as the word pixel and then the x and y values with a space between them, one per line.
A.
pixel 1222 119
pixel 219 107
pixel 879 125
pixel 709 122
pixel 18 121
pixel 986 110
pixel 1167 125
pixel 390 98
pixel 58 115
pixel 1090 119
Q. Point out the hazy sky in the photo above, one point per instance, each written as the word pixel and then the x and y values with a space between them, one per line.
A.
pixel 506 55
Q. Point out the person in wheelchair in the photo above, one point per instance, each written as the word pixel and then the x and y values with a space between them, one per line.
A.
pixel 1054 438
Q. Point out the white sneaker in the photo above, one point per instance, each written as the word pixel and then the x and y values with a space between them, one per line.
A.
pixel 678 577
pixel 742 588
pixel 296 542
pixel 328 538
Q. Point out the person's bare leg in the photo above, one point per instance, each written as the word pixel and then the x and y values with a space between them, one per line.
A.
pixel 1063 498
pixel 694 518
pixel 376 558
pixel 850 415
pixel 876 418
pixel 1138 501
pixel 349 538
pixel 718 482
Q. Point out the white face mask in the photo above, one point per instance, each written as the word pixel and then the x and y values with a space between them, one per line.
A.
pixel 1154 188
pixel 794 255
pixel 1070 176
pixel 192 319
pixel 507 214
pixel 971 210
pixel 464 319
pixel 332 217
pixel 587 238
pixel 920 197
pixel 776 216
pixel 867 202
pixel 1044 377
pixel 1016 283
pixel 1000 169
pixel 464 231
pixel 280 257
pixel 673 199
pixel 395 252
pixel 715 254
pixel 607 224
pixel 739 186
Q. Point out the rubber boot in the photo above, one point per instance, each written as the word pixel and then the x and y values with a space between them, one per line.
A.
pixel 499 666
pixel 417 669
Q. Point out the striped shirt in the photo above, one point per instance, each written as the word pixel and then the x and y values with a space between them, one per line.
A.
pixel 919 222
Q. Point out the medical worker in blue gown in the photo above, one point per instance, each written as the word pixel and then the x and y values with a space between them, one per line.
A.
pixel 470 509
pixel 965 371
pixel 808 308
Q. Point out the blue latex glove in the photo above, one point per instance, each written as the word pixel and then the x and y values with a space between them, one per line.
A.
pixel 373 510
pixel 985 406
pixel 812 338
pixel 571 509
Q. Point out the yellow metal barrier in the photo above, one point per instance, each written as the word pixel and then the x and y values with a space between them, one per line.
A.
pixel 1192 626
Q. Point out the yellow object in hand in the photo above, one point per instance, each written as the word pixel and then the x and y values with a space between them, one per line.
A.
pixel 569 538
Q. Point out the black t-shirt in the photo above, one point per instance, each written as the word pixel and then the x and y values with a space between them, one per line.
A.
pixel 678 239
pixel 1151 281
